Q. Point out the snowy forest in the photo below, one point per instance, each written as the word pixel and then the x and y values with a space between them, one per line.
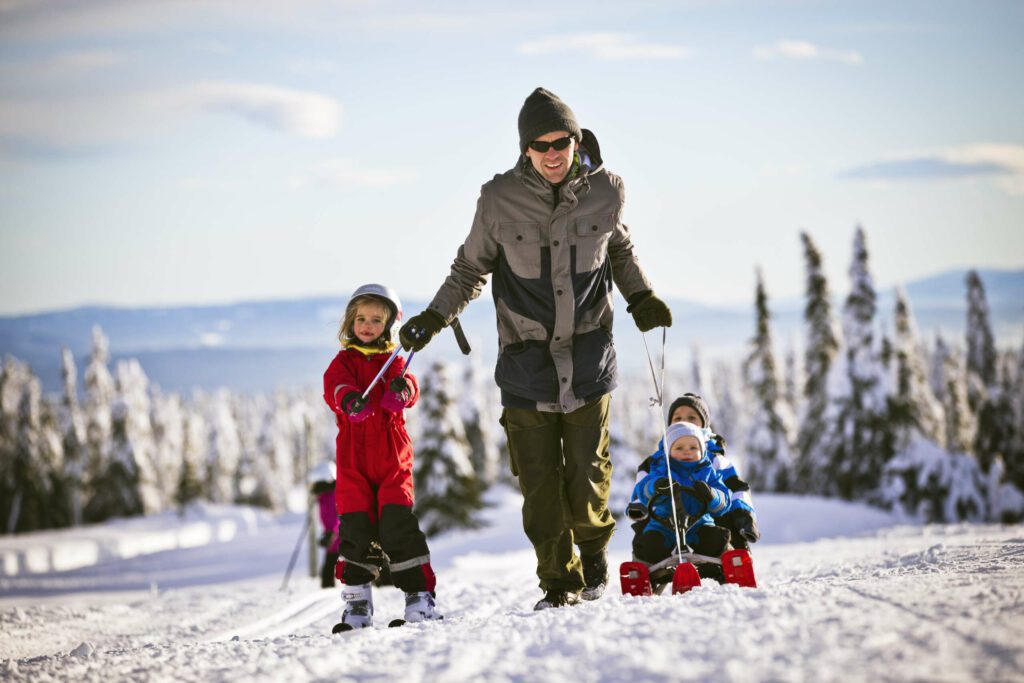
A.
pixel 930 428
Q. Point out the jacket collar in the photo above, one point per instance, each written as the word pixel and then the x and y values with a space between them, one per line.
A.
pixel 370 350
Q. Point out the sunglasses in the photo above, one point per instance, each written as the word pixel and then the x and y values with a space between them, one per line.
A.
pixel 559 144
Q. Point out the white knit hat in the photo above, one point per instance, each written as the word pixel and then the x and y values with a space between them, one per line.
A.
pixel 677 430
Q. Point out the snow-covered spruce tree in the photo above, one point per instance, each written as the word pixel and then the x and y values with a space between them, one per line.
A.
pixel 731 412
pixel 447 490
pixel 921 478
pixel 223 449
pixel 857 455
pixel 820 348
pixel 949 382
pixel 794 378
pixel 768 447
pixel 99 397
pixel 190 485
pixel 168 421
pixel 634 433
pixel 981 349
pixel 479 415
pixel 72 429
pixel 133 441
pixel 13 375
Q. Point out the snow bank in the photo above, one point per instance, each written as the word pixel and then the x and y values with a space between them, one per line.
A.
pixel 67 549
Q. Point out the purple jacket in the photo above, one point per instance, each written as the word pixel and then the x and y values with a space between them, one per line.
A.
pixel 329 518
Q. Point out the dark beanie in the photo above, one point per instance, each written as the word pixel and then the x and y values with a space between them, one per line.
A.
pixel 543 112
pixel 694 401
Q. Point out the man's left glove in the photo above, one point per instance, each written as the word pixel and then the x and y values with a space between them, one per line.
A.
pixel 420 329
pixel 649 311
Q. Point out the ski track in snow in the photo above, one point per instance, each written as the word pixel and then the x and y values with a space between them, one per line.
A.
pixel 899 603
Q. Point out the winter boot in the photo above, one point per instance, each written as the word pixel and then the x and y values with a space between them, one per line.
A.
pixel 595 575
pixel 557 598
pixel 358 607
pixel 421 607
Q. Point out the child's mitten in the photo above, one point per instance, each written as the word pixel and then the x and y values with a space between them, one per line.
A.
pixel 636 511
pixel 355 406
pixel 746 525
pixel 396 398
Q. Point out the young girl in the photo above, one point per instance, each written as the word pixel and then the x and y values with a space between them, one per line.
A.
pixel 374 456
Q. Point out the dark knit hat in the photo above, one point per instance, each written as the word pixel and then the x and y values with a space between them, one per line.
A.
pixel 694 401
pixel 543 112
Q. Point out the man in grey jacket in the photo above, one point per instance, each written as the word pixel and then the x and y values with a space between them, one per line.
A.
pixel 550 232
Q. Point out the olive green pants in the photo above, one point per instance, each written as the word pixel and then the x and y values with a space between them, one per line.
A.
pixel 565 473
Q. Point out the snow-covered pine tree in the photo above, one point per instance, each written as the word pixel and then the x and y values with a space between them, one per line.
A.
pixel 447 490
pixel 223 447
pixel 981 349
pixel 949 382
pixel 731 413
pixel 190 485
pixel 857 455
pixel 99 396
pixel 479 415
pixel 13 375
pixel 769 442
pixel 134 445
pixel 921 478
pixel 634 433
pixel 72 428
pixel 820 348
pixel 794 378
pixel 33 460
pixel 168 421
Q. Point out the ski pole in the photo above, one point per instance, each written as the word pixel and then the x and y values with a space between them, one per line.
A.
pixel 659 400
pixel 295 554
pixel 394 355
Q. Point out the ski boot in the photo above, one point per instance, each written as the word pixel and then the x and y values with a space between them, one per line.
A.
pixel 358 608
pixel 421 607
pixel 595 575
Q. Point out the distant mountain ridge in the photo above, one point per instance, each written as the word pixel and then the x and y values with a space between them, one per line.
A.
pixel 262 344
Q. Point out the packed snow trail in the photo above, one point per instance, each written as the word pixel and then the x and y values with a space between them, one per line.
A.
pixel 936 603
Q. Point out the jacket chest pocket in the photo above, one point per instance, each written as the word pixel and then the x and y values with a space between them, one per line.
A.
pixel 521 244
pixel 592 235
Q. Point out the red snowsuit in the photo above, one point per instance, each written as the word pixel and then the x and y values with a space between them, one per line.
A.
pixel 374 490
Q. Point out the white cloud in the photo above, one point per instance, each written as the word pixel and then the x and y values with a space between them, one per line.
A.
pixel 297 112
pixel 603 46
pixel 345 174
pixel 1002 163
pixel 803 50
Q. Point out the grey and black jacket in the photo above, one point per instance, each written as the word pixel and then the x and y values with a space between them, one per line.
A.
pixel 554 252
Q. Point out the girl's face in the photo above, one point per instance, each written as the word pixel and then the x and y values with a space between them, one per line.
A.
pixel 685 448
pixel 369 322
pixel 687 414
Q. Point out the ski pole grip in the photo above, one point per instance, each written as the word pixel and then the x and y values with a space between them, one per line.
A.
pixel 460 336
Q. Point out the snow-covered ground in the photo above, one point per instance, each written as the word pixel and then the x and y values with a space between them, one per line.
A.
pixel 845 593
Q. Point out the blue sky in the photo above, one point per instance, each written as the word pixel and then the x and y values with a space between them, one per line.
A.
pixel 156 152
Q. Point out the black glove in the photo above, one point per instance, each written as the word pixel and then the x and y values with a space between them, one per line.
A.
pixel 398 385
pixel 649 311
pixel 326 538
pixel 744 523
pixel 353 403
pixel 661 485
pixel 420 329
pixel 703 493
pixel 636 511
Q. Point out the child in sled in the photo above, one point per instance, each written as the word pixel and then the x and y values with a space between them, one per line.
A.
pixel 374 492
pixel 740 518
pixel 700 495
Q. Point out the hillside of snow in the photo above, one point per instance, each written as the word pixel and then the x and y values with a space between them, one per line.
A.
pixel 845 593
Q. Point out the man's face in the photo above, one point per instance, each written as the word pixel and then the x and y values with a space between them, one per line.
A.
pixel 554 164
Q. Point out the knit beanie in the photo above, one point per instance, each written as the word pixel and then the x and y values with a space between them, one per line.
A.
pixel 678 430
pixel 543 112
pixel 694 401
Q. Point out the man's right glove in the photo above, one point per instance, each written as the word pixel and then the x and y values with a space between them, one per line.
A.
pixel 355 406
pixel 649 311
pixel 636 512
pixel 420 329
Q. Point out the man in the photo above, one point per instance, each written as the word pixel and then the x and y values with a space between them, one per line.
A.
pixel 550 231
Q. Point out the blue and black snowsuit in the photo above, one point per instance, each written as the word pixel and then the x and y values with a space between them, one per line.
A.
pixel 740 513
pixel 655 539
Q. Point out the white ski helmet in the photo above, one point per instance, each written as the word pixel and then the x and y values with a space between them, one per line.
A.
pixel 390 298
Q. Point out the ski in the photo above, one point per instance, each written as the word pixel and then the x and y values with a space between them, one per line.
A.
pixel 684 578
pixel 738 568
pixel 635 578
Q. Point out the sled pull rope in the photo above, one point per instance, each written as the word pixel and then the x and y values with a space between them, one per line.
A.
pixel 658 402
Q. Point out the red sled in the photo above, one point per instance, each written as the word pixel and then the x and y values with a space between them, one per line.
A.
pixel 684 578
pixel 635 578
pixel 738 568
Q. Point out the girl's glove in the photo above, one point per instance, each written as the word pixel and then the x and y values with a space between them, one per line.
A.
pixel 355 406
pixel 396 398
